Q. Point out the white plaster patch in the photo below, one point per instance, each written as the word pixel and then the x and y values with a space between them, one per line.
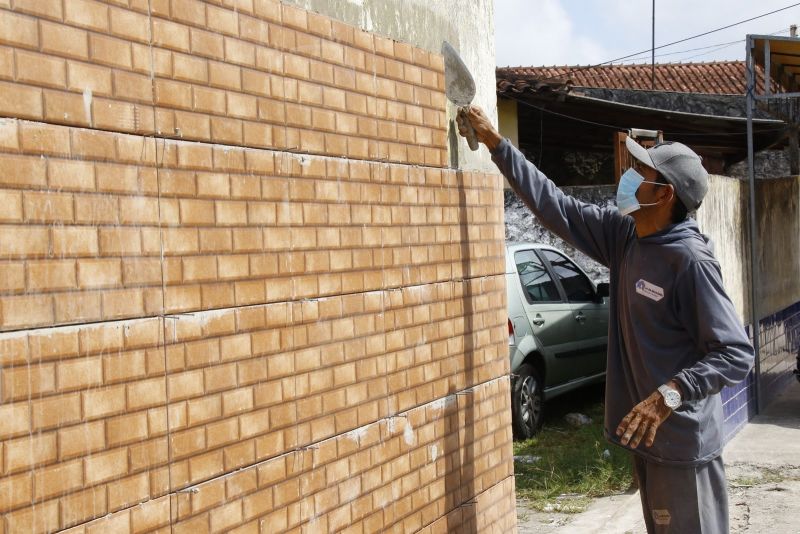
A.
pixel 408 434
pixel 17 334
pixel 87 104
pixel 444 402
pixel 438 404
pixel 434 453
pixel 203 317
pixel 8 132
pixel 50 331
pixel 357 434
pixel 366 16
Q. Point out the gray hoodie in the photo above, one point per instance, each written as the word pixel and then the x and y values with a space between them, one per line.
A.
pixel 669 315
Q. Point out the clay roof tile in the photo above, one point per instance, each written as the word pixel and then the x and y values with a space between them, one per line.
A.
pixel 724 77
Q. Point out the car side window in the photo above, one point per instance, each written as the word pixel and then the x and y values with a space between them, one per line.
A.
pixel 536 281
pixel 576 284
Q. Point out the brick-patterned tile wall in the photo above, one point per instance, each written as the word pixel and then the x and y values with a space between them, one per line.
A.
pixel 422 470
pixel 238 291
pixel 258 74
pixel 84 228
pixel 115 412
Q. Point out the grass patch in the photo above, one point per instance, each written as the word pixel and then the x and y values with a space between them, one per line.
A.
pixel 762 475
pixel 573 465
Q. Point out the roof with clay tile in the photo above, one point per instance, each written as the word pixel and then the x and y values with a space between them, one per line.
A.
pixel 720 77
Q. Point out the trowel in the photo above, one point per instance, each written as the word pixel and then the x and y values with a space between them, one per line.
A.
pixel 460 89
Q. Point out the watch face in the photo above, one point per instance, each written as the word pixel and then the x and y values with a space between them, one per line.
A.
pixel 672 399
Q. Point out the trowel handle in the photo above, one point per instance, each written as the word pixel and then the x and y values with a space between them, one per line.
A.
pixel 463 120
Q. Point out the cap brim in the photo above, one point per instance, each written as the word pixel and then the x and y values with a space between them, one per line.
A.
pixel 639 152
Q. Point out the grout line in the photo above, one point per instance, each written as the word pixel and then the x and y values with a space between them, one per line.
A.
pixel 276 149
pixel 194 314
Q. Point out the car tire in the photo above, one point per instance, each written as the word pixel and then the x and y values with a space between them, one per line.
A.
pixel 527 402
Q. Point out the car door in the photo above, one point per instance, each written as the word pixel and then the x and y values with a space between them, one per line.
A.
pixel 549 315
pixel 589 327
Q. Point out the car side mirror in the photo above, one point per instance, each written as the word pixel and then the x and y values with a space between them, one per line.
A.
pixel 603 290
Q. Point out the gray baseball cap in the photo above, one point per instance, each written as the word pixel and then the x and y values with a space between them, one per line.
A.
pixel 679 164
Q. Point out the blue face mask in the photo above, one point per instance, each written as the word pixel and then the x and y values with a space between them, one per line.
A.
pixel 629 183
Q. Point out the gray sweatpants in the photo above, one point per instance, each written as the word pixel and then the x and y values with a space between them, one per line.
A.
pixel 683 500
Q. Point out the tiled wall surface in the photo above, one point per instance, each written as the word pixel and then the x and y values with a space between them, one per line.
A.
pixel 779 335
pixel 238 291
pixel 738 406
pixel 88 217
pixel 114 411
pixel 252 73
pixel 780 347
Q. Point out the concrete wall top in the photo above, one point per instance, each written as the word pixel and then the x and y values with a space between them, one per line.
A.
pixel 466 24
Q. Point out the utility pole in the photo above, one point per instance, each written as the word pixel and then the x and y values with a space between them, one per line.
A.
pixel 794 134
pixel 653 50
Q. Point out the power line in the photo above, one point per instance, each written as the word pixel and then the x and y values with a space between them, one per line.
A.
pixel 642 58
pixel 729 43
pixel 709 52
pixel 622 129
pixel 727 46
pixel 557 76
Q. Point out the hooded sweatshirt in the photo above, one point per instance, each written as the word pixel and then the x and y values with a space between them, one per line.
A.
pixel 669 315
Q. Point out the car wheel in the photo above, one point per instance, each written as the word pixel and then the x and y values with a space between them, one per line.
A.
pixel 526 402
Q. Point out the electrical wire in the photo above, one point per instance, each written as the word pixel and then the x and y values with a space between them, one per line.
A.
pixel 706 53
pixel 576 69
pixel 642 58
pixel 621 129
pixel 715 46
pixel 787 30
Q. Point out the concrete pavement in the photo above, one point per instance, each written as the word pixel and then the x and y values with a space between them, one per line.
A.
pixel 762 464
pixel 763 468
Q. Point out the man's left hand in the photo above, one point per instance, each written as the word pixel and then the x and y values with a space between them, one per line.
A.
pixel 643 421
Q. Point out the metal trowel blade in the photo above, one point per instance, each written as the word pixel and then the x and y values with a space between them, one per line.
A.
pixel 458 83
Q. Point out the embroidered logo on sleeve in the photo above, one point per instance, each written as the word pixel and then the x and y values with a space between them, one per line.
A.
pixel 643 287
pixel 661 517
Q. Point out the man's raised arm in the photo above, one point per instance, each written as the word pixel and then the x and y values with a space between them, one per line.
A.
pixel 590 229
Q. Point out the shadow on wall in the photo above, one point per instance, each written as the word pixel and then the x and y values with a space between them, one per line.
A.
pixel 460 445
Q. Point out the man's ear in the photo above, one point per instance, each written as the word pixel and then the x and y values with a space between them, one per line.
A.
pixel 668 192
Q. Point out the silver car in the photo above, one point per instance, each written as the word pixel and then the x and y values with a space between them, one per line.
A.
pixel 557 330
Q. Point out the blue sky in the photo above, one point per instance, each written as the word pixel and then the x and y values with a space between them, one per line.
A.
pixel 581 32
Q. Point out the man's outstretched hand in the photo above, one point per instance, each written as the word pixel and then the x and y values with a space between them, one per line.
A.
pixel 484 130
pixel 643 421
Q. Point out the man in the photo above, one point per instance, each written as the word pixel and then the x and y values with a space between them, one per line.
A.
pixel 674 339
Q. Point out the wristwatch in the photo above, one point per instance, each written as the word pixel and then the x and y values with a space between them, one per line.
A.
pixel 672 398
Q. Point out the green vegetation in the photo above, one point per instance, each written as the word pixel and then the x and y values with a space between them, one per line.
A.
pixel 573 465
pixel 762 475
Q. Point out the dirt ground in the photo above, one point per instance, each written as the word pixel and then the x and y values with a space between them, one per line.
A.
pixel 763 499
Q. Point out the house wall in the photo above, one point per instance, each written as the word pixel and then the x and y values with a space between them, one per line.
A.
pixel 507 119
pixel 240 288
pixel 723 218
